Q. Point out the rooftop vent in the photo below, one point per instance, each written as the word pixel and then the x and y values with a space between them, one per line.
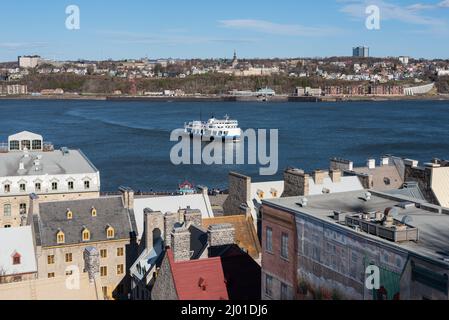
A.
pixel 303 202
pixel 406 205
pixel 366 196
pixel 64 151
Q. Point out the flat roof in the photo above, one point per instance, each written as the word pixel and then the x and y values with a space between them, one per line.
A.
pixel 433 226
pixel 52 163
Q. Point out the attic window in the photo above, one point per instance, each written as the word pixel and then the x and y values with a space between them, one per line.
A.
pixel 93 212
pixel 202 283
pixel 260 194
pixel 110 232
pixel 16 259
pixel 60 237
pixel 85 234
pixel 69 214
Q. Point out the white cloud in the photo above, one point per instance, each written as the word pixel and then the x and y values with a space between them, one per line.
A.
pixel 410 14
pixel 268 27
pixel 444 4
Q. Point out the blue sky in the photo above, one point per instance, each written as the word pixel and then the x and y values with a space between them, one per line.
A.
pixel 198 28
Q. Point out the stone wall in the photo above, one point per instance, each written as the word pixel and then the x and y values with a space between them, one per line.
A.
pixel 164 287
pixel 221 234
pixel 423 177
pixel 296 183
pixel 180 243
pixel 239 192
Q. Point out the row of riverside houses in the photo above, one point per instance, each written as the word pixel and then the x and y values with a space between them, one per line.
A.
pixel 322 231
pixel 60 239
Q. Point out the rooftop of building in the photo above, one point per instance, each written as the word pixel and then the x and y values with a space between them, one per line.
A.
pixel 201 279
pixel 431 221
pixel 110 212
pixel 171 204
pixel 35 163
pixel 245 232
pixel 17 241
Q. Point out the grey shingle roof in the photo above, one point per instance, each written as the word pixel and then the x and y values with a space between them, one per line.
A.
pixel 110 212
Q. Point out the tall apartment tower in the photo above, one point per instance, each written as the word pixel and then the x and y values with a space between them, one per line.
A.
pixel 360 52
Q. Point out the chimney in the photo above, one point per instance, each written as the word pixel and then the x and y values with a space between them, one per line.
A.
pixel 92 263
pixel 411 163
pixel 170 220
pixel 342 164
pixel 34 204
pixel 180 239
pixel 296 183
pixel 21 166
pixel 193 216
pixel 335 175
pixel 153 224
pixel 318 176
pixel 128 197
pixel 221 234
pixel 371 164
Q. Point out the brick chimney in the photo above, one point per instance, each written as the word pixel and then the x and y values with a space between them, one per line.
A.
pixel 180 240
pixel 221 235
pixel 318 176
pixel 296 183
pixel 335 175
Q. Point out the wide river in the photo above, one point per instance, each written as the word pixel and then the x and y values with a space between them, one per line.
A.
pixel 129 142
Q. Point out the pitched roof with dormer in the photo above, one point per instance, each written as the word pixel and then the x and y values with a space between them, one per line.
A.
pixel 110 212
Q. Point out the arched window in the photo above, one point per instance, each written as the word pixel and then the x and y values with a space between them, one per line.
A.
pixel 93 212
pixel 110 232
pixel 60 237
pixel 69 214
pixel 85 234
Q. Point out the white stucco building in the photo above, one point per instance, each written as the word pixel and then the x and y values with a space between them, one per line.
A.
pixel 28 165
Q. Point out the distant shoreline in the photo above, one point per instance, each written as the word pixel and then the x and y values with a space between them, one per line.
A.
pixel 211 98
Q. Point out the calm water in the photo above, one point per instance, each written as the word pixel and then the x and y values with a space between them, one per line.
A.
pixel 129 141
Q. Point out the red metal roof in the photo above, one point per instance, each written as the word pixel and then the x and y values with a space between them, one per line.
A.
pixel 201 279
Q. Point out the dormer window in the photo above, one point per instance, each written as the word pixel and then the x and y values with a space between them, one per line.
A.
pixel 70 185
pixel 7 188
pixel 69 214
pixel 86 185
pixel 110 232
pixel 93 212
pixel 60 237
pixel 85 234
pixel 37 186
pixel 260 194
pixel 22 187
pixel 16 259
pixel 54 186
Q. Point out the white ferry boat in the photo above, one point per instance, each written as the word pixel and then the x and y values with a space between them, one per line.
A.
pixel 225 130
